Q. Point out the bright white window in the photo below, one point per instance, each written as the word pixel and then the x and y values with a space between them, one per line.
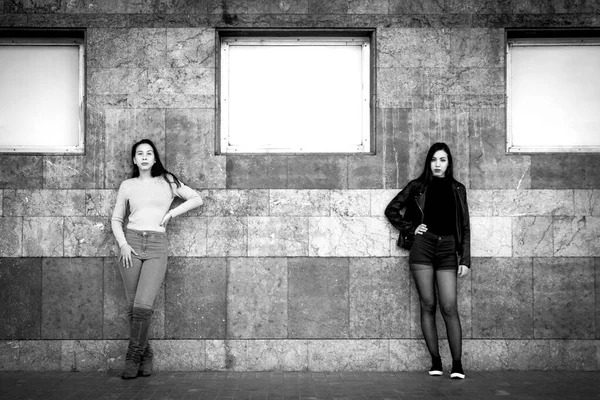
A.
pixel 553 91
pixel 295 95
pixel 41 100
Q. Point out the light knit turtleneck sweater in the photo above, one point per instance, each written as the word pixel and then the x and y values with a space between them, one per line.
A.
pixel 149 201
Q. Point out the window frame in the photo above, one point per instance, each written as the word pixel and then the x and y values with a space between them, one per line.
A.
pixel 52 37
pixel 291 37
pixel 537 38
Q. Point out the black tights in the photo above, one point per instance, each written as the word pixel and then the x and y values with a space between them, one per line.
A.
pixel 426 279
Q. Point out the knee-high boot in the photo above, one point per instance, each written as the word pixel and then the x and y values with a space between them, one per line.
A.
pixel 147 355
pixel 138 340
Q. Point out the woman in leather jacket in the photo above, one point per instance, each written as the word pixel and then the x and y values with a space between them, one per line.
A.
pixel 435 227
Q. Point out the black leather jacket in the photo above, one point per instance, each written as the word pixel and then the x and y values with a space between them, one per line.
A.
pixel 412 198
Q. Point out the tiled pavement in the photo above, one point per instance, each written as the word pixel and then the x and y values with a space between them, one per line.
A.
pixel 300 385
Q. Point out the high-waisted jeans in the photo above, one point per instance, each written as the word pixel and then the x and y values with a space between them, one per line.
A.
pixel 148 268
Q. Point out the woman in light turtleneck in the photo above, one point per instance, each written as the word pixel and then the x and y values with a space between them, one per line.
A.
pixel 143 245
pixel 435 227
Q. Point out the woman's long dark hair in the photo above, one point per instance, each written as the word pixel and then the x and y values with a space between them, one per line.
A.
pixel 426 176
pixel 157 169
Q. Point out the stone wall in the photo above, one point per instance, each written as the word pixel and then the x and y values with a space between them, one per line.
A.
pixel 290 264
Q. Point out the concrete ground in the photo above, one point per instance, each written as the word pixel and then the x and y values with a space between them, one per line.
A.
pixel 300 385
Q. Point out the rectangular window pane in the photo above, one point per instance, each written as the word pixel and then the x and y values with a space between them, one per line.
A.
pixel 295 95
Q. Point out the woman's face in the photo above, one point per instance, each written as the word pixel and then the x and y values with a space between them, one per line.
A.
pixel 144 157
pixel 439 163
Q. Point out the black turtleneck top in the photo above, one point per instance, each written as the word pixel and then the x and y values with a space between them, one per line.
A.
pixel 440 207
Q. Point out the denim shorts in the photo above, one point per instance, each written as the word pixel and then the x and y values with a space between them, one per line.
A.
pixel 436 251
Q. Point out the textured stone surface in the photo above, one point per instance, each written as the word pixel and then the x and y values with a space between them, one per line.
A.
pixel 196 298
pixel 72 306
pixel 349 236
pixel 299 203
pixel 187 236
pixel 89 237
pixel 191 153
pixel 351 203
pixel 233 203
pixel 379 298
pixel 278 236
pixel 348 355
pixel 227 237
pixel 124 127
pixel 39 355
pixel 576 236
pixel 563 294
pixel 256 172
pixel 587 202
pixel 100 203
pixel 117 80
pixel 502 298
pixel 127 48
pixel 551 355
pixel 532 236
pixel 21 171
pixel 9 355
pixel 43 236
pixel 565 171
pixel 85 355
pixel 193 81
pixel 317 172
pixel 486 355
pixel 379 201
pixel 480 203
pixel 475 47
pixel 179 355
pixel 21 298
pixel 268 355
pixel 491 237
pixel 364 171
pixel 257 298
pixel 393 128
pixel 190 47
pixel 318 298
pixel 11 237
pixel 490 168
pixel 533 202
pixel 409 47
pixel 44 203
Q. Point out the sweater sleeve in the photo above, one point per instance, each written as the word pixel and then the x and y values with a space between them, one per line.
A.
pixel 118 215
pixel 191 197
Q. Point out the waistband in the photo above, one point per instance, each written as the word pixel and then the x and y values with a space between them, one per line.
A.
pixel 432 235
pixel 145 233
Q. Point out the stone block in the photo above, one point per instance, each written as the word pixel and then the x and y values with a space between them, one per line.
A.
pixel 169 100
pixel 597 272
pixel 89 237
pixel 196 298
pixel 380 200
pixel 115 351
pixel 379 298
pixel 331 7
pixel 256 172
pixel 257 298
pixel 502 298
pixel 413 48
pixel 240 7
pixel 565 171
pixel 364 171
pixel 533 202
pixel 348 355
pixel 124 127
pixel 486 355
pixel 532 237
pixel 412 355
pixel 179 355
pixel 491 237
pixel 350 203
pixel 191 47
pixel 24 172
pixel 187 236
pixel 349 236
pixel 110 81
pixel 39 355
pixel 233 203
pixel 11 236
pixel 587 202
pixel 84 355
pixel 490 167
pixel 317 172
pixel 299 203
pixel 563 295
pixel 191 151
pixel 552 355
pixel 217 355
pixel 43 237
pixel 9 355
pixel 278 236
pixel 576 236
pixel 411 7
pixel 1 202
pixel 72 298
pixel 21 298
pixel 476 47
pixel 393 126
pixel 103 7
pixel 100 203
pixel 480 203
pixel 227 237
pixel 318 298
pixel 127 47
pixel 401 87
pixel 268 355
pixel 44 203
pixel 363 7
pixel 189 80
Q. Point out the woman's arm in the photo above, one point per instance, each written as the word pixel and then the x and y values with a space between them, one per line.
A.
pixel 118 215
pixel 392 211
pixel 465 250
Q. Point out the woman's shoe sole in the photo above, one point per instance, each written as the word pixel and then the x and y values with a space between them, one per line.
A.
pixel 456 375
pixel 436 373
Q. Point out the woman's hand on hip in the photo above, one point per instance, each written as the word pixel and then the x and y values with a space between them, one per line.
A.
pixel 125 255
pixel 165 220
pixel 463 270
pixel 421 229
